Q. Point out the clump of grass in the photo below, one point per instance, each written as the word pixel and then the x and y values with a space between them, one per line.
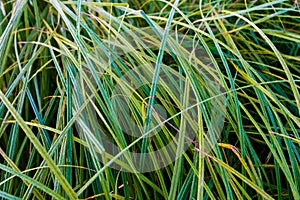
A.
pixel 71 75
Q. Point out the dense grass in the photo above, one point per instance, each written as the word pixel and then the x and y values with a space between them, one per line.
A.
pixel 72 77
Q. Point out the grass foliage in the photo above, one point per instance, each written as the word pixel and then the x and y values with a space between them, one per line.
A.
pixel 61 62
